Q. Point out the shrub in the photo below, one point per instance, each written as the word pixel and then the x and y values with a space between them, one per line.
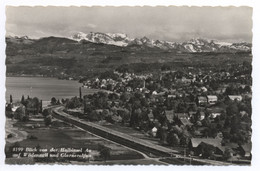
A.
pixel 47 120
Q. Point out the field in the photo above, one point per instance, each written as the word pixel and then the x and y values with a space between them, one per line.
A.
pixel 62 135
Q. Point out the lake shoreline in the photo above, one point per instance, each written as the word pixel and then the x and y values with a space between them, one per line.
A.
pixel 43 88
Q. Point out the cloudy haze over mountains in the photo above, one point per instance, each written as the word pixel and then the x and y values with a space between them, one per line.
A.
pixel 170 24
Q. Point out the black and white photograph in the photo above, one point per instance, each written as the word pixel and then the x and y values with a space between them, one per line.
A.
pixel 128 85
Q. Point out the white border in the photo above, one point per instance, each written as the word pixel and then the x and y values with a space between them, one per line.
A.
pixel 256 82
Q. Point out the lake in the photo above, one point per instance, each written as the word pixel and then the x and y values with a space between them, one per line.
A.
pixel 43 88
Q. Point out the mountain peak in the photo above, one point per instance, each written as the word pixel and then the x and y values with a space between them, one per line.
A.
pixel 118 39
pixel 24 37
pixel 193 45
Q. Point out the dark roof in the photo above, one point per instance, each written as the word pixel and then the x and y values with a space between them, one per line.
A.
pixel 247 147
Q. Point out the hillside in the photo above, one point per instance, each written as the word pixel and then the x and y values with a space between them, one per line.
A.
pixel 64 57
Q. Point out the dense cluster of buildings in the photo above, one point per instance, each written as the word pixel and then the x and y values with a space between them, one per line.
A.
pixel 207 111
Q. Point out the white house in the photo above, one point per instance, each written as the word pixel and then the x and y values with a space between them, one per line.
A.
pixel 154 131
pixel 235 97
pixel 212 99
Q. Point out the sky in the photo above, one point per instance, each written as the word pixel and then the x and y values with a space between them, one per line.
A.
pixel 229 24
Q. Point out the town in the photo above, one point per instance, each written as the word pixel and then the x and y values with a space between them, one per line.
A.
pixel 206 110
pixel 204 113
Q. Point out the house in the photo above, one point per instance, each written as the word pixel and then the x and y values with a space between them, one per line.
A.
pixel 172 96
pixel 212 99
pixel 246 149
pixel 214 115
pixel 220 90
pixel 202 115
pixel 233 147
pixel 99 111
pixel 243 113
pixel 154 92
pixel 215 111
pixel 204 89
pixel 202 100
pixel 235 97
pixel 196 145
pixel 154 131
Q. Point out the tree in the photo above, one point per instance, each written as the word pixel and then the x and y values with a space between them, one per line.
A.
pixel 36 103
pixel 227 154
pixel 47 120
pixel 80 93
pixel 247 89
pixel 184 140
pixel 173 139
pixel 163 134
pixel 177 130
pixel 197 116
pixel 95 115
pixel 104 152
pixel 125 97
pixel 53 101
pixel 207 150
pixel 11 99
pixel 22 100
pixel 134 117
pixel 232 109
pixel 8 108
pixel 73 103
pixel 40 107
pixel 125 114
pixel 19 113
pixel 58 102
pixel 46 112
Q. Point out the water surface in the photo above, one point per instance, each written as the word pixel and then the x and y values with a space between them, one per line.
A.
pixel 43 88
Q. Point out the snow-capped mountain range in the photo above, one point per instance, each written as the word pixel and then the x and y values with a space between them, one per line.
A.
pixel 122 40
pixel 194 45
